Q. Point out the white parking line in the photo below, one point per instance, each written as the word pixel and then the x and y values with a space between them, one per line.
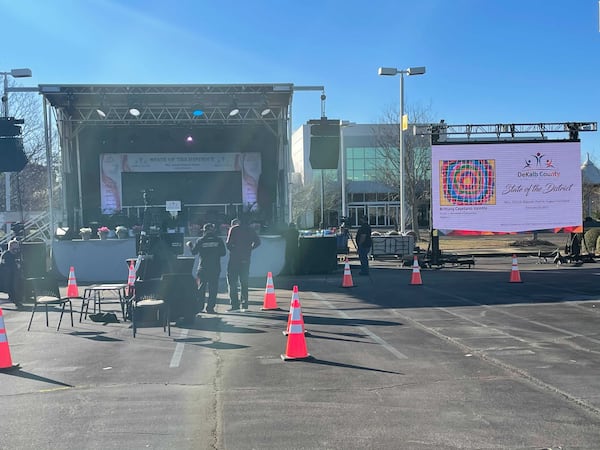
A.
pixel 178 353
pixel 365 330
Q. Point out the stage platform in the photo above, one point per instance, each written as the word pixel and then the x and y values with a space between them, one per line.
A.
pixel 104 261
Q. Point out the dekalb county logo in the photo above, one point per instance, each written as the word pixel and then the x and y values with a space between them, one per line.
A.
pixel 538 165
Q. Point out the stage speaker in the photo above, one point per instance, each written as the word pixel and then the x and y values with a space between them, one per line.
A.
pixel 324 143
pixel 175 242
pixel 317 255
pixel 11 145
pixel 33 259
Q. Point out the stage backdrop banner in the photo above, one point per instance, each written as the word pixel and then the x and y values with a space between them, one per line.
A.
pixel 506 187
pixel 112 165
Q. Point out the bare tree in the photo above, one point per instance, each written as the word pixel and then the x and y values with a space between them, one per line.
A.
pixel 417 160
pixel 307 196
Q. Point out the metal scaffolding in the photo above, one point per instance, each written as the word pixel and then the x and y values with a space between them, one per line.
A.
pixel 444 133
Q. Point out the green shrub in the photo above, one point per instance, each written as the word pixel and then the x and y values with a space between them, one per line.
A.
pixel 590 238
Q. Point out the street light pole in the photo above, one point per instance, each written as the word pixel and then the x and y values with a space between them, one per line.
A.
pixel 6 174
pixel 401 151
pixel 343 124
pixel 392 71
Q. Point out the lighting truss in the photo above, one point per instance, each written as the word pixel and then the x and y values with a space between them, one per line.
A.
pixel 501 131
pixel 168 104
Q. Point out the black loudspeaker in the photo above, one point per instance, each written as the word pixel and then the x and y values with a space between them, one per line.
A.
pixel 33 259
pixel 180 291
pixel 317 255
pixel 13 156
pixel 174 241
pixel 324 143
pixel 324 152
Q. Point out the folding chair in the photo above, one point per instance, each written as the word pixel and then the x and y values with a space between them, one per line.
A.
pixel 148 300
pixel 46 293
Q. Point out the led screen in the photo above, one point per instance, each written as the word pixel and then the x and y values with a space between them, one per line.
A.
pixel 506 187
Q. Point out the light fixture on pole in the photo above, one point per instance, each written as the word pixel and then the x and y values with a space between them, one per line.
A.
pixel 15 73
pixel 392 71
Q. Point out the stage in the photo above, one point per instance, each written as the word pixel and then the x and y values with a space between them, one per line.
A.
pixel 104 261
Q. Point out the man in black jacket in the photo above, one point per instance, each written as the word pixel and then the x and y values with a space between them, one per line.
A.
pixel 210 248
pixel 364 242
pixel 12 277
pixel 241 241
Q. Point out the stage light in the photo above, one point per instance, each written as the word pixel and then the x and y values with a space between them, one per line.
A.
pixel 101 113
pixel 134 112
pixel 189 138
pixel 265 108
pixel 197 112
pixel 234 108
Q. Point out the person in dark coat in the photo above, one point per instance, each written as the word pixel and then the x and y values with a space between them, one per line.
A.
pixel 364 242
pixel 291 236
pixel 210 249
pixel 12 277
pixel 241 241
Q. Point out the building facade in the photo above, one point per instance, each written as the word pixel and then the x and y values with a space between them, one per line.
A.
pixel 357 183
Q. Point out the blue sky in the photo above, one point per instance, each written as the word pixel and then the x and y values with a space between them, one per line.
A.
pixel 488 61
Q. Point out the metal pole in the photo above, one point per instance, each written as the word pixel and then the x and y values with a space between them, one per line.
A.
pixel 289 165
pixel 6 174
pixel 322 224
pixel 5 95
pixel 343 169
pixel 48 144
pixel 80 204
pixel 401 148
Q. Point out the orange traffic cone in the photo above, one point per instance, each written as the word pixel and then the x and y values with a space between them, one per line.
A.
pixel 295 297
pixel 296 342
pixel 515 276
pixel 131 279
pixel 416 273
pixel 347 280
pixel 5 359
pixel 72 290
pixel 269 301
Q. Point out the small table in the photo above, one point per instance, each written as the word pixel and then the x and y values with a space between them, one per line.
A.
pixel 95 292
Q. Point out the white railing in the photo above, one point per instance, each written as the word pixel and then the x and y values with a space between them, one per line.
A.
pixel 37 227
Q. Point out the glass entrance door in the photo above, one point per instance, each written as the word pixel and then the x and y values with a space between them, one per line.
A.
pixel 377 215
pixel 393 215
pixel 354 215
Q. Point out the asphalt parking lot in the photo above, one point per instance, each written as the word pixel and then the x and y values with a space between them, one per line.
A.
pixel 465 360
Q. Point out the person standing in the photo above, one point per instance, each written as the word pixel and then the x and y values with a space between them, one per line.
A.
pixel 241 240
pixel 291 236
pixel 11 272
pixel 364 242
pixel 210 248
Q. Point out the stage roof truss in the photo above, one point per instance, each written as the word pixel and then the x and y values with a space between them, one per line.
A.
pixel 170 104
